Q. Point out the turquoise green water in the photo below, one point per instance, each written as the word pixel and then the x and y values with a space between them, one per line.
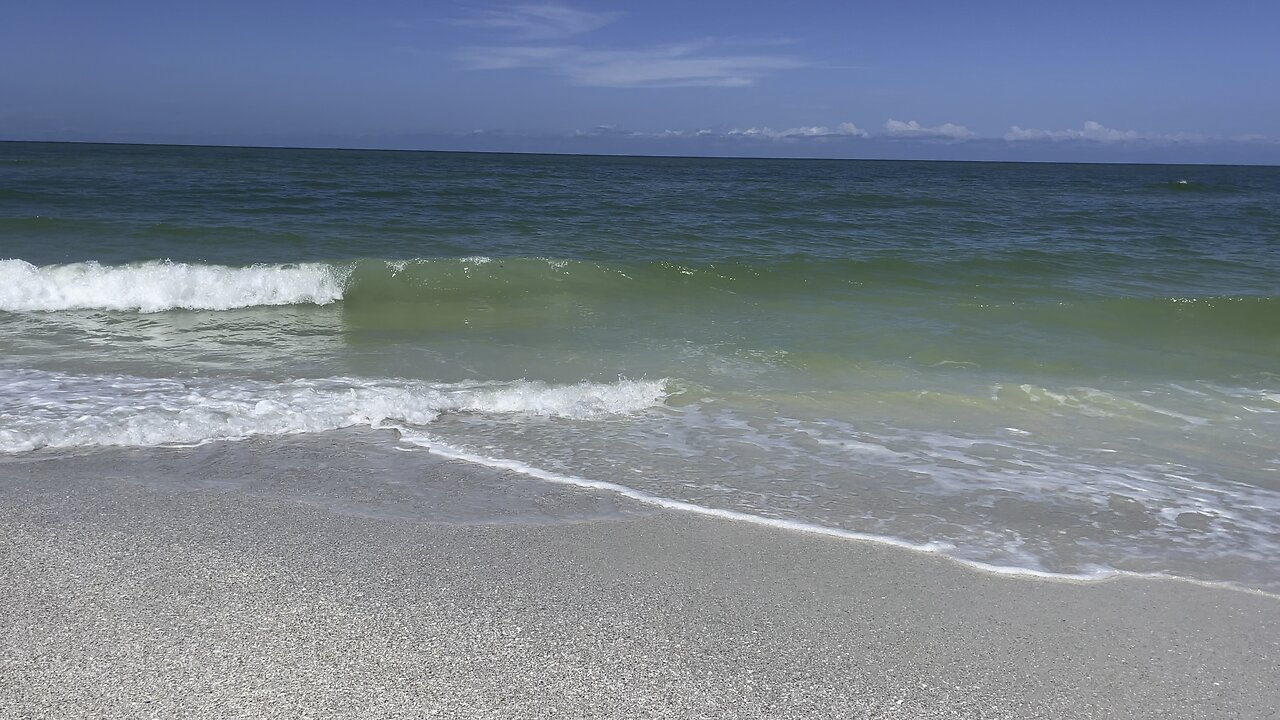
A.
pixel 1046 368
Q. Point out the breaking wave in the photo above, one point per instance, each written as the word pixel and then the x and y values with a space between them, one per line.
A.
pixel 521 283
pixel 156 286
pixel 41 409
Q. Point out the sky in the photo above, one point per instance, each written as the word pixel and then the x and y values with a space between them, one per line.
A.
pixel 1118 81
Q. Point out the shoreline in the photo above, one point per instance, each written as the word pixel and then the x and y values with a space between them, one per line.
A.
pixel 216 599
pixel 933 549
pixel 432 452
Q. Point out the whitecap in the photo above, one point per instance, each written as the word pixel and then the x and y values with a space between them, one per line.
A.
pixel 156 286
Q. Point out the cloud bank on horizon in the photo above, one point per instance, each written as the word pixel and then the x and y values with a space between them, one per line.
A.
pixel 1092 132
pixel 1154 82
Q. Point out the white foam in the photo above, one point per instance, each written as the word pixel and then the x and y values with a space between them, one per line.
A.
pixel 155 286
pixel 1030 569
pixel 937 547
pixel 44 409
pixel 1098 403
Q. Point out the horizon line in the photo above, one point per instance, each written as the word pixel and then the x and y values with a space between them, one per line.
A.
pixel 120 143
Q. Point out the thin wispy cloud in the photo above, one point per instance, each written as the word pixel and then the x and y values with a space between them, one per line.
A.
pixel 1093 131
pixel 506 58
pixel 811 132
pixel 913 129
pixel 547 21
pixel 694 65
pixel 893 136
pixel 844 130
pixel 543 30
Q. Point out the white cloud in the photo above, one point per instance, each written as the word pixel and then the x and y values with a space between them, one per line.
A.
pixel 1092 131
pixel 606 131
pixel 847 139
pixel 911 128
pixel 812 132
pixel 540 22
pixel 843 130
pixel 675 66
pixel 538 25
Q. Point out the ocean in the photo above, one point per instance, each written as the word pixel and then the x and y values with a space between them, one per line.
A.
pixel 1065 370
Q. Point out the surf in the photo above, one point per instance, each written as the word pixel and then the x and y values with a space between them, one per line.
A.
pixel 42 409
pixel 157 286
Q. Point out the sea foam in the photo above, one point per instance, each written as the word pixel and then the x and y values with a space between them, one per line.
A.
pixel 156 286
pixel 46 409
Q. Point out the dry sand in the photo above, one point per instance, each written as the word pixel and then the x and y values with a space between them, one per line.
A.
pixel 128 599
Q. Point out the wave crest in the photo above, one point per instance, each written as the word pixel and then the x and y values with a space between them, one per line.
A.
pixel 156 286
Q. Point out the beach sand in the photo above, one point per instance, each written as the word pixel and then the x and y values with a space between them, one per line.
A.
pixel 124 598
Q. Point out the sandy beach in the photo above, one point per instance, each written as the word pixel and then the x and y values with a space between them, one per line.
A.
pixel 129 598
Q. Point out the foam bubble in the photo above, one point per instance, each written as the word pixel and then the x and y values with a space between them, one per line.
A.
pixel 155 286
pixel 44 409
pixel 941 547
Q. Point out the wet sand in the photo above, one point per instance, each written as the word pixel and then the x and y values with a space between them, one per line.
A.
pixel 121 598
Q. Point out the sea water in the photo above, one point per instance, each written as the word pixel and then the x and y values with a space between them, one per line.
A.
pixel 1060 369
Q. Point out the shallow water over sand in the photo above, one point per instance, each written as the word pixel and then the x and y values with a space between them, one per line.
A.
pixel 1059 369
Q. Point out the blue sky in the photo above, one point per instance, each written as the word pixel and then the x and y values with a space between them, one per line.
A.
pixel 1092 81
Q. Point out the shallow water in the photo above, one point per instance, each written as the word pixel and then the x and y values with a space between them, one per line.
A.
pixel 1055 368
